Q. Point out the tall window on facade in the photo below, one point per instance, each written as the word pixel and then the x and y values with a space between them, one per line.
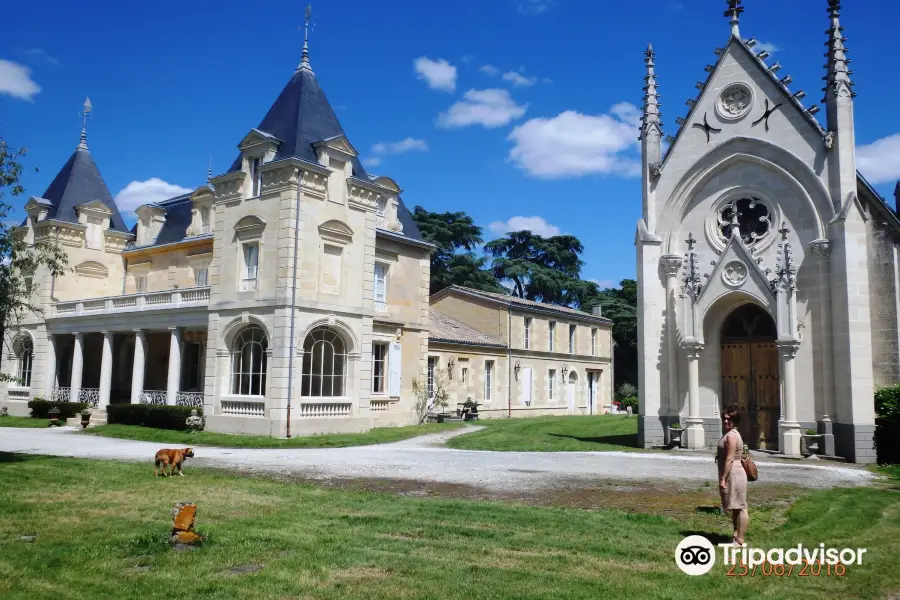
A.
pixel 324 364
pixel 255 176
pixel 379 364
pixel 527 333
pixel 488 379
pixel 201 277
pixel 432 366
pixel 204 220
pixel 464 375
pixel 25 355
pixel 140 283
pixel 552 337
pixel 571 339
pixel 594 341
pixel 251 267
pixel 190 367
pixel 380 287
pixel 248 362
pixel 551 384
pixel 94 233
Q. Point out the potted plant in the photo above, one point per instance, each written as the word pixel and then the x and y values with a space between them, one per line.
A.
pixel 675 432
pixel 85 418
pixel 470 409
pixel 53 413
pixel 810 442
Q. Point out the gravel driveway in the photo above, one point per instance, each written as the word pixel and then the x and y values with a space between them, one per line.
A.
pixel 425 459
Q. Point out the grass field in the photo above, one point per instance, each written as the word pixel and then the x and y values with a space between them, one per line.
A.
pixel 24 422
pixel 380 435
pixel 550 434
pixel 100 527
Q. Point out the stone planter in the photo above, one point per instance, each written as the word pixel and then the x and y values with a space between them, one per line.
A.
pixel 811 444
pixel 54 418
pixel 85 421
pixel 675 435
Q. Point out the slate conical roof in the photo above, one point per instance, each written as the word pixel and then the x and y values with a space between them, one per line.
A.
pixel 300 117
pixel 80 182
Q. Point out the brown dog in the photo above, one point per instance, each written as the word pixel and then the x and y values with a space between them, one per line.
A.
pixel 172 458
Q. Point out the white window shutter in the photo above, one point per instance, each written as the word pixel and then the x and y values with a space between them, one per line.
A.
pixel 394 361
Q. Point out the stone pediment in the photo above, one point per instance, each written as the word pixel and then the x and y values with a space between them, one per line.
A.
pixel 340 143
pixel 737 270
pixel 256 137
pixel 92 268
pixel 95 207
pixel 35 201
pixel 249 224
pixel 336 231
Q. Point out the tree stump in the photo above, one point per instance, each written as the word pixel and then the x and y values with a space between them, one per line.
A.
pixel 183 517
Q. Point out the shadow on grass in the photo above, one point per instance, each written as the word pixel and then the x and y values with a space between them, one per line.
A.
pixel 709 510
pixel 630 440
pixel 12 457
pixel 714 538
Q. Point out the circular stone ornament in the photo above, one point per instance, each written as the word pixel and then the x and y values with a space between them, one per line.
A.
pixel 735 101
pixel 734 273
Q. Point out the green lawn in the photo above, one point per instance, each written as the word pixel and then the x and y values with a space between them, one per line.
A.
pixel 100 530
pixel 550 434
pixel 380 435
pixel 23 422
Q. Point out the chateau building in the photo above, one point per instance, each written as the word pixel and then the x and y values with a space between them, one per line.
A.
pixel 289 295
pixel 768 271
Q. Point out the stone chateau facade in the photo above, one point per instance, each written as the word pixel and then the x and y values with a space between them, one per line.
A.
pixel 768 270
pixel 288 295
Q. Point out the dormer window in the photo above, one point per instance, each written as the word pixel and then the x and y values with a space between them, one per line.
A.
pixel 204 220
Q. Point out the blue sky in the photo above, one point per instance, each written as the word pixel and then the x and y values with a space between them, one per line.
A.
pixel 519 112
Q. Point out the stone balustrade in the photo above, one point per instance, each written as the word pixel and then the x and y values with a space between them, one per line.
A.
pixel 379 405
pixel 319 410
pixel 244 407
pixel 169 299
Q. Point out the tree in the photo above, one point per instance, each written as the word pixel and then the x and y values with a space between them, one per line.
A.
pixel 453 263
pixel 620 305
pixel 429 399
pixel 20 261
pixel 541 269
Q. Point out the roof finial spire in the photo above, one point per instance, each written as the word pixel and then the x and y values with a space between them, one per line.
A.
pixel 82 145
pixel 734 12
pixel 838 74
pixel 209 172
pixel 304 60
pixel 651 115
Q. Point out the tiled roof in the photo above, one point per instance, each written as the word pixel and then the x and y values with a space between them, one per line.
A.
pixel 80 182
pixel 514 301
pixel 444 328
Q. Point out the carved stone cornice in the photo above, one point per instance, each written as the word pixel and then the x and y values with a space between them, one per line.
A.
pixel 787 348
pixel 821 248
pixel 692 348
pixel 314 183
pixel 362 197
pixel 671 264
pixel 228 187
pixel 278 178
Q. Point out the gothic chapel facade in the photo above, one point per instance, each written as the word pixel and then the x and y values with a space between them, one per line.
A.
pixel 767 265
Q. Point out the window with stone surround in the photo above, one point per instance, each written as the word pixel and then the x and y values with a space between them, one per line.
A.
pixel 248 362
pixel 379 366
pixel 752 215
pixel 201 277
pixel 551 338
pixel 593 341
pixel 572 329
pixel 488 379
pixel 381 270
pixel 324 365
pixel 255 176
pixel 25 357
pixel 551 383
pixel 528 321
pixel 250 269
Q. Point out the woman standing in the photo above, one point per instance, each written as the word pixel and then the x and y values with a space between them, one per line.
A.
pixel 732 477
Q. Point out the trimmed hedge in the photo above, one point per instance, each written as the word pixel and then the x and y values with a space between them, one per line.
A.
pixel 40 408
pixel 150 415
pixel 887 425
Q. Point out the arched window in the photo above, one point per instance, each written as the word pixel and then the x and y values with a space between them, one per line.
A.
pixel 25 356
pixel 324 364
pixel 248 362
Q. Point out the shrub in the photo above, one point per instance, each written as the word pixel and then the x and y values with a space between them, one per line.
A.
pixel 631 401
pixel 887 425
pixel 40 408
pixel 626 390
pixel 150 415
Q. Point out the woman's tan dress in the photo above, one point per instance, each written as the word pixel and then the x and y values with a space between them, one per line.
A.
pixel 735 495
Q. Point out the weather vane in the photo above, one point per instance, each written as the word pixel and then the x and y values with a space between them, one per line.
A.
pixel 85 112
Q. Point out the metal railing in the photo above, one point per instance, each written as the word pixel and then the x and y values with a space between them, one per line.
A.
pixel 192 399
pixel 158 397
pixel 198 296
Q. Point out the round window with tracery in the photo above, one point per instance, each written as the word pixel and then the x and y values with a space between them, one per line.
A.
pixel 751 215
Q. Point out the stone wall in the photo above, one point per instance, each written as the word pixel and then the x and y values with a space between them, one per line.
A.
pixel 883 294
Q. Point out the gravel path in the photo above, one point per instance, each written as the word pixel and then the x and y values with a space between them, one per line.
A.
pixel 425 459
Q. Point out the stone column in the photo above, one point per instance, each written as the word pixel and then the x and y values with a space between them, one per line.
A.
pixel 137 371
pixel 174 365
pixel 789 429
pixel 695 436
pixel 77 367
pixel 822 249
pixel 106 366
pixel 672 266
pixel 50 368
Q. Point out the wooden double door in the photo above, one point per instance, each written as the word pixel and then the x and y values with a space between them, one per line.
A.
pixel 751 382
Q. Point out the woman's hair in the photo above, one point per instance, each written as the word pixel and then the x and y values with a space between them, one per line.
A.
pixel 732 413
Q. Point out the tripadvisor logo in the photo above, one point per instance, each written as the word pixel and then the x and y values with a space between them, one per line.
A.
pixel 695 555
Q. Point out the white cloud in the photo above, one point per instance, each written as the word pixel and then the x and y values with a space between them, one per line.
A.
pixel 572 144
pixel 536 225
pixel 372 162
pixel 439 74
pixel 767 46
pixel 15 81
pixel 37 55
pixel 153 190
pixel 879 162
pixel 535 7
pixel 603 283
pixel 519 80
pixel 490 70
pixel 405 145
pixel 489 108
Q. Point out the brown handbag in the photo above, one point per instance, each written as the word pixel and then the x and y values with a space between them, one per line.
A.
pixel 750 468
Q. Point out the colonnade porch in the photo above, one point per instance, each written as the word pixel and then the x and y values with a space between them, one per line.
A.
pixel 139 366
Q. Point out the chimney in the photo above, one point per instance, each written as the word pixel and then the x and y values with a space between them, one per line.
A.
pixel 598 310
